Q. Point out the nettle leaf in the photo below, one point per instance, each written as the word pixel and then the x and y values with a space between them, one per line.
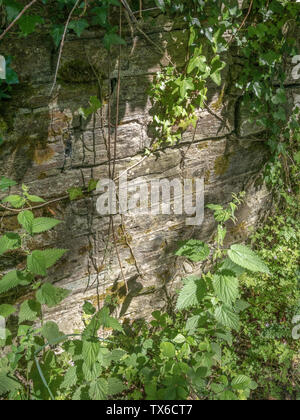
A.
pixel 101 15
pixel 194 250
pixel 9 241
pixel 78 26
pixel 101 319
pixel 226 286
pixel 27 23
pixel 15 200
pixel 192 293
pixel 30 310
pixel 192 324
pixel 98 389
pixel 50 295
pixel 8 385
pixel 70 378
pixel 88 308
pixel 26 218
pixel 51 332
pixel 36 263
pixel 35 199
pixel 42 224
pixel 6 310
pixel 90 351
pixel 6 183
pixel 12 279
pixel 229 265
pixel 115 386
pixel 246 258
pixel 51 256
pixel 225 316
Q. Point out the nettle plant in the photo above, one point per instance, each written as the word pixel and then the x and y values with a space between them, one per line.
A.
pixel 27 339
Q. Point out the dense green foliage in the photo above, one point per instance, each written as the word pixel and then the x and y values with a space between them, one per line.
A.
pixel 229 333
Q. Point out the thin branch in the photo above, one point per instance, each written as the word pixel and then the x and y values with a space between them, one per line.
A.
pixel 243 23
pixel 62 44
pixel 17 18
pixel 35 207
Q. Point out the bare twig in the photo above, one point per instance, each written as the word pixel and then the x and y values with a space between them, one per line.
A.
pixel 17 18
pixel 35 207
pixel 62 44
pixel 243 23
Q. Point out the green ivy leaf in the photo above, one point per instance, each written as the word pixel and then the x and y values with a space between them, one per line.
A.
pixel 112 39
pixel 78 26
pixel 27 23
pixel 57 32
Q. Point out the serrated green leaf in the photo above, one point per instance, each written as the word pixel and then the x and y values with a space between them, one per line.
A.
pixel 226 287
pixel 90 351
pixel 115 386
pixel 53 255
pixel 15 200
pixel 50 295
pixel 10 280
pixel 6 183
pixel 191 294
pixel 35 199
pixel 8 385
pixel 9 241
pixel 51 332
pixel 26 218
pixel 30 310
pixel 225 316
pixel 6 310
pixel 98 390
pixel 246 258
pixel 194 250
pixel 42 224
pixel 70 378
pixel 36 263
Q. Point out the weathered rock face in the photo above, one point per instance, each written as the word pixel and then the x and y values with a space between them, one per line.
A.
pixel 38 128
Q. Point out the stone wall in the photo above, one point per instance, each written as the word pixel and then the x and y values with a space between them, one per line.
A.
pixel 38 127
